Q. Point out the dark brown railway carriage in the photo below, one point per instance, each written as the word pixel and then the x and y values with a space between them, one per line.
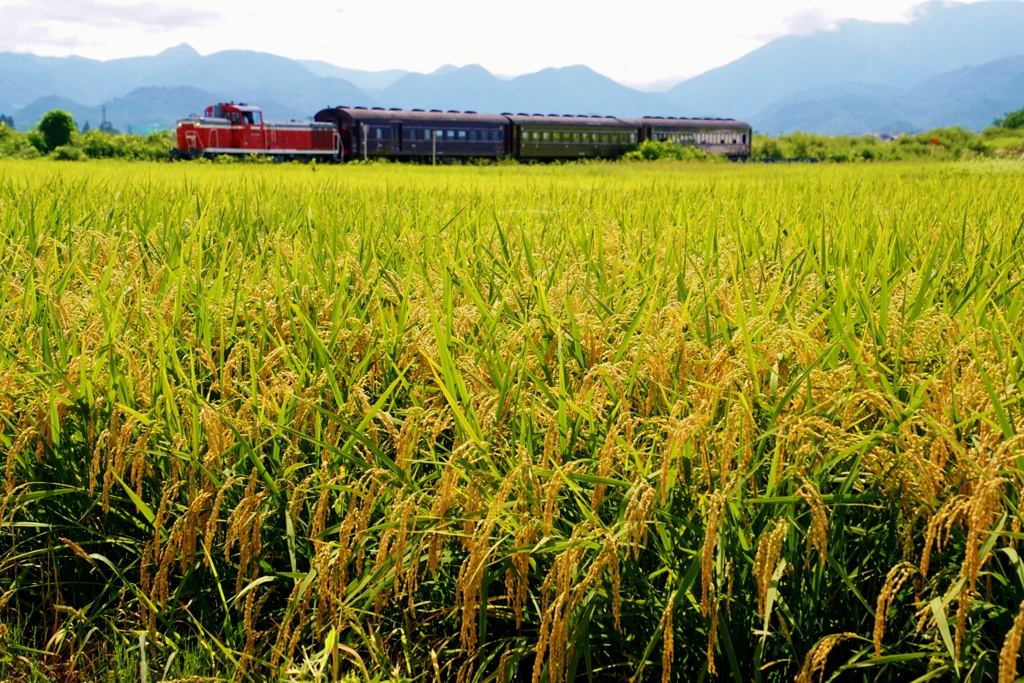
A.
pixel 715 136
pixel 570 137
pixel 422 135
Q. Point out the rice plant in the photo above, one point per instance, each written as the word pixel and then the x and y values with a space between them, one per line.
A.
pixel 586 422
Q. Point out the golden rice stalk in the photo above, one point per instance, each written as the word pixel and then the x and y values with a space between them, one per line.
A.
pixel 715 507
pixel 77 550
pixel 471 574
pixel 517 576
pixel 963 608
pixel 818 657
pixel 1011 649
pixel 817 531
pixel 210 532
pixel 444 498
pixel 667 640
pixel 986 504
pixel 605 463
pixel 769 549
pixel 713 634
pixel 638 513
pixel 894 581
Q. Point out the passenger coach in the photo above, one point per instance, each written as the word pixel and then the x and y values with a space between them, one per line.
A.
pixel 715 136
pixel 570 137
pixel 416 134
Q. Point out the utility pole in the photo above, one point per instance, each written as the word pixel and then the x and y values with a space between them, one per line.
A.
pixel 364 129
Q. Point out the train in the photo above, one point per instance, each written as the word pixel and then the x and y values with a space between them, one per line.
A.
pixel 342 134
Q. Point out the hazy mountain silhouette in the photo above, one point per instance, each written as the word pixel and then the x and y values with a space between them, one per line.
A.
pixel 970 97
pixel 942 37
pixel 365 80
pixel 949 64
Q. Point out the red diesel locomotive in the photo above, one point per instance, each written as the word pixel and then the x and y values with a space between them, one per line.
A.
pixel 345 133
pixel 239 130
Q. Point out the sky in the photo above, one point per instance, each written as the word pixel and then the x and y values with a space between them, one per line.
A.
pixel 651 42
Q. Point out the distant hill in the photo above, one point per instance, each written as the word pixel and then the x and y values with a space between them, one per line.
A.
pixel 285 88
pixel 970 97
pixel 943 36
pixel 365 80
pixel 568 90
pixel 952 64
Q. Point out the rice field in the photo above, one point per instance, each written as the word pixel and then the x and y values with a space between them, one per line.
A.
pixel 598 422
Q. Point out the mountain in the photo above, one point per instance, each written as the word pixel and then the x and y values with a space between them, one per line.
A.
pixel 948 64
pixel 970 97
pixel 284 87
pixel 942 36
pixel 365 80
pixel 567 90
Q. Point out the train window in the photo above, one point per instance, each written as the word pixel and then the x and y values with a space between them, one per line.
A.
pixel 449 135
pixel 744 139
pixel 632 138
pixel 234 117
pixel 547 136
pixel 462 135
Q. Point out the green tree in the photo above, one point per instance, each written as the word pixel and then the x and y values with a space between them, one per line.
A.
pixel 1013 119
pixel 57 127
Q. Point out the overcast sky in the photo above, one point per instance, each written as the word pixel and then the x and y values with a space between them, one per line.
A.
pixel 633 42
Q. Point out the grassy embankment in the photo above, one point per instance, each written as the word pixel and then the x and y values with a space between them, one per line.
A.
pixel 610 420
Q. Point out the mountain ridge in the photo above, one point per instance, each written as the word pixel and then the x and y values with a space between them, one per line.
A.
pixel 950 64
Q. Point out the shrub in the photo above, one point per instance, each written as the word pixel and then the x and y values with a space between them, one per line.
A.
pixel 98 144
pixel 1013 119
pixel 56 127
pixel 652 150
pixel 14 143
pixel 69 153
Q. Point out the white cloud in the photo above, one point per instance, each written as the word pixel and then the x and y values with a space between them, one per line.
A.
pixel 62 24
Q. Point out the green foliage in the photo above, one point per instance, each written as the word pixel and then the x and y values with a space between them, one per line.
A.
pixel 100 145
pixel 15 144
pixel 57 127
pixel 69 153
pixel 652 150
pixel 944 144
pixel 1012 120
